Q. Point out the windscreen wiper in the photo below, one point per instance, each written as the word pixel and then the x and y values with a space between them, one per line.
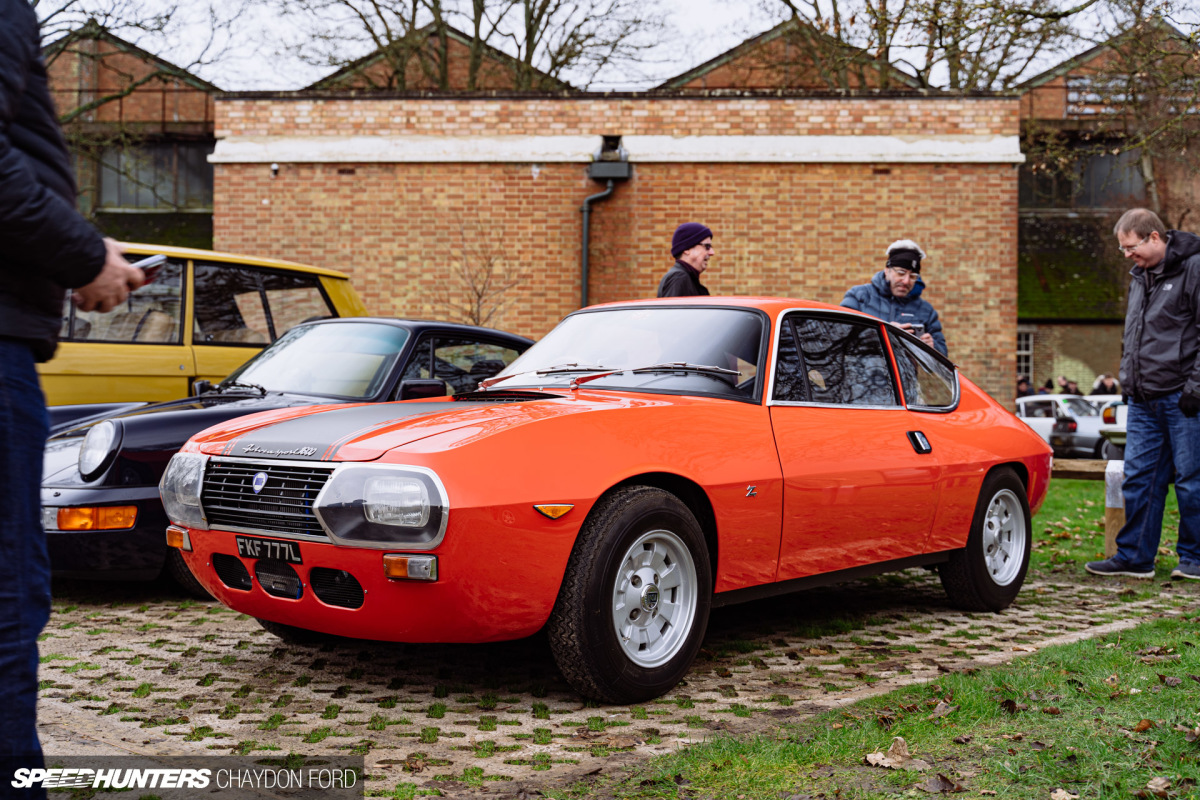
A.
pixel 684 366
pixel 242 385
pixel 558 369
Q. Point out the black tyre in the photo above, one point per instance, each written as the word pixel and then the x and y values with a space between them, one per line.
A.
pixel 987 574
pixel 1112 452
pixel 183 577
pixel 634 602
pixel 292 634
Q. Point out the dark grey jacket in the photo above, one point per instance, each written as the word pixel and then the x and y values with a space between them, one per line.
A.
pixel 681 281
pixel 1161 334
pixel 46 247
pixel 875 298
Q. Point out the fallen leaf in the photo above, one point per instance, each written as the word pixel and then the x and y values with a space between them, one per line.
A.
pixel 1112 680
pixel 942 710
pixel 1170 680
pixel 940 784
pixel 1053 711
pixel 1038 745
pixel 1014 737
pixel 1063 794
pixel 964 739
pixel 1159 786
pixel 1010 706
pixel 1143 726
pixel 897 757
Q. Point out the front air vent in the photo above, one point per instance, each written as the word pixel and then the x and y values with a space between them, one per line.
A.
pixel 336 587
pixel 501 396
pixel 278 579
pixel 232 572
pixel 283 503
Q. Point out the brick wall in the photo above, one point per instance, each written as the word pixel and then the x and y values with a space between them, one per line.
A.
pixel 793 229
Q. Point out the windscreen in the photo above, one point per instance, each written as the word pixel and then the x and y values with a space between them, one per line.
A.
pixel 713 350
pixel 350 359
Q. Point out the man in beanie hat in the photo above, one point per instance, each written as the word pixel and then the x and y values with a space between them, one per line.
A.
pixel 894 295
pixel 692 248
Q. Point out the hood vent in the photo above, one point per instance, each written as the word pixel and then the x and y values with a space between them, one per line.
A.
pixel 502 396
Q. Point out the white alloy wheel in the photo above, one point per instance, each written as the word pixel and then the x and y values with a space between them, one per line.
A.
pixel 654 598
pixel 1004 537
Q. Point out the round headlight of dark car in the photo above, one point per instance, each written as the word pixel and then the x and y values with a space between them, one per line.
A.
pixel 99 448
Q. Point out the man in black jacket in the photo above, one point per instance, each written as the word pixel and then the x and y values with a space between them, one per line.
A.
pixel 47 249
pixel 1160 373
pixel 691 247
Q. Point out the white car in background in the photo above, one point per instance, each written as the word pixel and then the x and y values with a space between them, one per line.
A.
pixel 1112 417
pixel 1069 423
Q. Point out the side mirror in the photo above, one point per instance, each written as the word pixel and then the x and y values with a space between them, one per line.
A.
pixel 419 390
pixel 201 386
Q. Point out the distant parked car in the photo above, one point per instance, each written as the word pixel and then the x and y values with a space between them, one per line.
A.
pixel 101 508
pixel 202 317
pixel 1113 430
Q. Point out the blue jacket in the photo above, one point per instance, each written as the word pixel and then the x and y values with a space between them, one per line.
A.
pixel 875 298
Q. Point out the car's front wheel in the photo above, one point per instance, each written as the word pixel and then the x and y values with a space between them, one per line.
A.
pixel 987 574
pixel 183 577
pixel 293 635
pixel 634 602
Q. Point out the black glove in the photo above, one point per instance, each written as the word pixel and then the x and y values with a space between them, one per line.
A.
pixel 1189 404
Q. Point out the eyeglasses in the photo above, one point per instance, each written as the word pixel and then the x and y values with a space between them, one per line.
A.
pixel 901 272
pixel 1127 249
pixel 707 245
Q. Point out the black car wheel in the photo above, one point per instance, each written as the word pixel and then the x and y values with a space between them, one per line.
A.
pixel 987 574
pixel 1112 452
pixel 183 577
pixel 292 634
pixel 634 601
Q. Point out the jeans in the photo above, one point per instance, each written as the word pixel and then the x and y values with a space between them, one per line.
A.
pixel 1161 444
pixel 24 562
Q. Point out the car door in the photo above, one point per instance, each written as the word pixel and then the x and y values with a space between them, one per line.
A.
pixel 133 352
pixel 239 310
pixel 860 484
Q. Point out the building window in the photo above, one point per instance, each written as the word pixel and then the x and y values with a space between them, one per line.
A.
pixel 157 176
pixel 1025 354
pixel 1093 181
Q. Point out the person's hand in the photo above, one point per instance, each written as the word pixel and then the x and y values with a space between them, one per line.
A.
pixel 927 338
pixel 112 286
pixel 1189 404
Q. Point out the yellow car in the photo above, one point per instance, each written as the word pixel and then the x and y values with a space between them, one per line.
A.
pixel 203 316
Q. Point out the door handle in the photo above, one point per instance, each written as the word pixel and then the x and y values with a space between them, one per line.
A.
pixel 919 443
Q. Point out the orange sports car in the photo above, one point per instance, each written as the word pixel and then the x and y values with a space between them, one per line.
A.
pixel 640 464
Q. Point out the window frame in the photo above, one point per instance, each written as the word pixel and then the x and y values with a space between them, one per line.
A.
pixel 946 362
pixel 261 291
pixel 784 322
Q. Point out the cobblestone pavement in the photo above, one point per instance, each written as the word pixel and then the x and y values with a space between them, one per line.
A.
pixel 135 669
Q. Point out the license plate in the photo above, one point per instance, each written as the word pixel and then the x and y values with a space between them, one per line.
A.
pixel 253 547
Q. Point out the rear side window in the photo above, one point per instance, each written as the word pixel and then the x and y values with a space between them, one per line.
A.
pixel 461 363
pixel 150 315
pixel 928 381
pixel 832 362
pixel 239 305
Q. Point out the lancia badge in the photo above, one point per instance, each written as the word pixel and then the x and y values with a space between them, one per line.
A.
pixel 260 480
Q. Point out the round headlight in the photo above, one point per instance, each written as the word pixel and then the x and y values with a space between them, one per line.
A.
pixel 99 447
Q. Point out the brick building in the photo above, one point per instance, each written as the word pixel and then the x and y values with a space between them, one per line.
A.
pixel 804 191
pixel 141 129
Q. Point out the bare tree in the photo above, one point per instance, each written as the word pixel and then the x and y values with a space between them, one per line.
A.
pixel 476 284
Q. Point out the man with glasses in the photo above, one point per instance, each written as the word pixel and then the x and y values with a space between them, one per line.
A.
pixel 691 247
pixel 894 295
pixel 1160 373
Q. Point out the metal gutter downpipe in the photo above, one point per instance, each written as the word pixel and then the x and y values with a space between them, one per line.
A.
pixel 587 214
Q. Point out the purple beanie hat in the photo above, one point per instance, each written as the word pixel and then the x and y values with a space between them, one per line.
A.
pixel 687 236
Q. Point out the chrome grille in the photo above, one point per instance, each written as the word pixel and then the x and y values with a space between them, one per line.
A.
pixel 283 506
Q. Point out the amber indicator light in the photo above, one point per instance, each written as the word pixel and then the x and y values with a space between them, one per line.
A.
pixel 553 510
pixel 97 518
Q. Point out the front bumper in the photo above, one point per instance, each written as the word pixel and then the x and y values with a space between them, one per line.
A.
pixel 136 553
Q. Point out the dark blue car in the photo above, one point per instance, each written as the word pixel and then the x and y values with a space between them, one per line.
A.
pixel 101 509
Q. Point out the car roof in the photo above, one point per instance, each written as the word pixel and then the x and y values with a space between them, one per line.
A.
pixel 772 305
pixel 419 326
pixel 141 248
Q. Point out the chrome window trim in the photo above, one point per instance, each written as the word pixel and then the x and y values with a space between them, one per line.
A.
pixel 954 401
pixel 394 545
pixel 853 317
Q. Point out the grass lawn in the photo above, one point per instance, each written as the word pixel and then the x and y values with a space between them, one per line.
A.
pixel 1113 717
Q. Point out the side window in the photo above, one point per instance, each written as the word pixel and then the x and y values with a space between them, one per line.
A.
pixel 151 315
pixel 790 385
pixel 843 363
pixel 229 306
pixel 292 299
pixel 461 363
pixel 927 380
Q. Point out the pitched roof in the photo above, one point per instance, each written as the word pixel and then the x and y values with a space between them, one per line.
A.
pixel 747 47
pixel 1075 62
pixel 94 30
pixel 490 52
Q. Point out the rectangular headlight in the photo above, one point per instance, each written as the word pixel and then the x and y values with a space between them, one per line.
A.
pixel 395 500
pixel 383 505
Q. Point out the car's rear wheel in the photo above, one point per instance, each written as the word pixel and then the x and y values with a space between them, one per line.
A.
pixel 987 574
pixel 183 577
pixel 1112 452
pixel 635 598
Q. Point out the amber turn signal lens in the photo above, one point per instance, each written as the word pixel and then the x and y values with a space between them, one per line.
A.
pixel 553 510
pixel 101 518
pixel 1110 416
pixel 178 538
pixel 410 568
